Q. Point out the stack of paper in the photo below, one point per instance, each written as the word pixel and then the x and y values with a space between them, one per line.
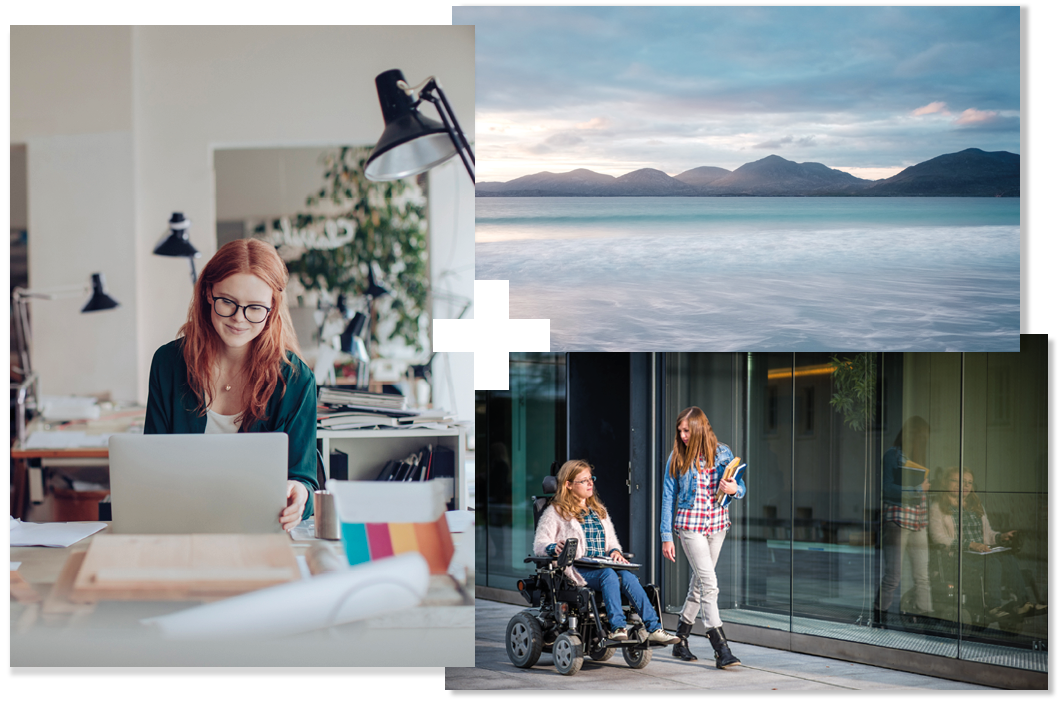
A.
pixel 51 534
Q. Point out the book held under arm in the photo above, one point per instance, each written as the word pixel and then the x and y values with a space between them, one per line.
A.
pixel 735 469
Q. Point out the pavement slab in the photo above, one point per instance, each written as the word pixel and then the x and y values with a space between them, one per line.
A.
pixel 762 669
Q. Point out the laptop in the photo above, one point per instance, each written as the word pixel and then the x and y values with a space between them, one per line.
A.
pixel 193 483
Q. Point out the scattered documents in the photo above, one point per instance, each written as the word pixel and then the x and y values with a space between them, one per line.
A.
pixel 65 439
pixel 51 534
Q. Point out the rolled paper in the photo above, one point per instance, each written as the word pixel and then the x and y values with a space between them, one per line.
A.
pixel 373 589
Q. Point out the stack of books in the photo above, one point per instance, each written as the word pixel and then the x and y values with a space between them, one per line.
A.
pixel 346 397
pixel 432 461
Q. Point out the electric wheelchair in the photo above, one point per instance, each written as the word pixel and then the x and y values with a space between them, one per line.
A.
pixel 567 620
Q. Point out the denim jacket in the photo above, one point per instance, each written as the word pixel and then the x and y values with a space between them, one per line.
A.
pixel 687 485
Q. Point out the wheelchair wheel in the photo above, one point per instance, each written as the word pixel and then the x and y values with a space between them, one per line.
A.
pixel 636 658
pixel 524 640
pixel 602 655
pixel 568 654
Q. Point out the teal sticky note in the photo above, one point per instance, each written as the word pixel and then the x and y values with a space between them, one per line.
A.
pixel 356 542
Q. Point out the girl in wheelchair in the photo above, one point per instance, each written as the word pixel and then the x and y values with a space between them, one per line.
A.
pixel 957 521
pixel 576 511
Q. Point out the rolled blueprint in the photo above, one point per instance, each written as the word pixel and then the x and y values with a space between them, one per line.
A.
pixel 366 591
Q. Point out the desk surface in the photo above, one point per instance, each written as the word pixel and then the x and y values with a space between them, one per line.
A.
pixel 439 633
pixel 120 420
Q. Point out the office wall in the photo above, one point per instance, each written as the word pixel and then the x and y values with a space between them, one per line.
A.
pixel 178 93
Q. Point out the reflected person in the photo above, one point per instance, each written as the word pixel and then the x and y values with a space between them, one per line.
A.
pixel 957 504
pixel 905 486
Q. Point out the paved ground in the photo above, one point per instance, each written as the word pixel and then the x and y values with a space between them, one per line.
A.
pixel 762 669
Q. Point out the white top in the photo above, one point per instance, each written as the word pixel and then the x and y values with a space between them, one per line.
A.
pixel 222 424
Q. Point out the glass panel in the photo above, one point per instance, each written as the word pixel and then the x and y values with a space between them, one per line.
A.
pixel 519 433
pixel 764 533
pixel 713 383
pixel 1006 479
pixel 836 459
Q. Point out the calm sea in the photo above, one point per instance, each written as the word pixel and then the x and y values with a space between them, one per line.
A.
pixel 758 274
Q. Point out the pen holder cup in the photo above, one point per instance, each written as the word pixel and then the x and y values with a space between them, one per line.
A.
pixel 326 520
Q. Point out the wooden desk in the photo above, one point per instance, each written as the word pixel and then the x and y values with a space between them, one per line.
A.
pixel 120 420
pixel 438 633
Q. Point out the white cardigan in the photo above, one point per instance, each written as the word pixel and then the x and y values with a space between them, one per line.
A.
pixel 943 530
pixel 554 530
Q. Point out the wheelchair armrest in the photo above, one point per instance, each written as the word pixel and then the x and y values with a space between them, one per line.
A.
pixel 539 561
pixel 628 555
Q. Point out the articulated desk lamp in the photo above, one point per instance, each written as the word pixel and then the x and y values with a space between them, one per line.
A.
pixel 20 300
pixel 175 242
pixel 413 143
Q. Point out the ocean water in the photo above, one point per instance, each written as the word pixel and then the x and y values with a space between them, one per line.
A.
pixel 759 274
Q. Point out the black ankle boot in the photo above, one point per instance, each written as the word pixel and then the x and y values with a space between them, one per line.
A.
pixel 683 630
pixel 723 653
pixel 879 618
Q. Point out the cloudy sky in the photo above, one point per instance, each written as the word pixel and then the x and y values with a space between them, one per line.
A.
pixel 863 89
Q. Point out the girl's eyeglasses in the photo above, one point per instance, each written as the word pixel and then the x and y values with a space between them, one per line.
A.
pixel 587 481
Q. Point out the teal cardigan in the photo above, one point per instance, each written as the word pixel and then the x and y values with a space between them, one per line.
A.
pixel 172 409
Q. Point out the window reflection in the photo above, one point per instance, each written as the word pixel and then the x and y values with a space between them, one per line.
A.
pixel 837 536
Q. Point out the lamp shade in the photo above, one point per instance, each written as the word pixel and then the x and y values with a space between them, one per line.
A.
pixel 411 142
pixel 353 333
pixel 99 300
pixel 175 242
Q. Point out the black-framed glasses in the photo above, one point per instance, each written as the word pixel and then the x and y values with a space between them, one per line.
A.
pixel 224 307
pixel 590 482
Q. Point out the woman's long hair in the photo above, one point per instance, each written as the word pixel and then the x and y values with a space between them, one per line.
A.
pixel 702 442
pixel 266 352
pixel 565 503
pixel 942 493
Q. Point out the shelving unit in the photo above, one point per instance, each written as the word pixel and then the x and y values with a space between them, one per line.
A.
pixel 368 450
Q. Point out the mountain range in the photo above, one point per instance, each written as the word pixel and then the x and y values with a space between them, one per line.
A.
pixel 968 173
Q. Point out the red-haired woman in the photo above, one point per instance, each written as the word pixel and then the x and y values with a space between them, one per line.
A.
pixel 235 366
pixel 692 474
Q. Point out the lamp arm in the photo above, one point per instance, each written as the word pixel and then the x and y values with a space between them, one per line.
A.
pixel 50 293
pixel 430 92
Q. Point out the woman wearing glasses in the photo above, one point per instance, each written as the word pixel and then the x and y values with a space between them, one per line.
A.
pixel 576 511
pixel 235 366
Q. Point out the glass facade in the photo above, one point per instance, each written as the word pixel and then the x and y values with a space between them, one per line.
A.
pixel 876 484
pixel 522 431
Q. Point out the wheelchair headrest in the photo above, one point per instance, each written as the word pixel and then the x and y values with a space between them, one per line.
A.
pixel 550 484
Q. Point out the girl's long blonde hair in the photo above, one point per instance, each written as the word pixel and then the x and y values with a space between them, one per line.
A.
pixel 702 442
pixel 565 503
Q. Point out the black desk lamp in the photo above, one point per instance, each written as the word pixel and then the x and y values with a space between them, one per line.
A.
pixel 413 143
pixel 20 302
pixel 175 242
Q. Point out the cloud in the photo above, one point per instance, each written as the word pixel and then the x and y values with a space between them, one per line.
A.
pixel 931 109
pixel 976 117
pixel 777 143
pixel 595 123
pixel 559 140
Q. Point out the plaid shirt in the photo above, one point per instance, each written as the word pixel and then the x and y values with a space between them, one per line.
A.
pixel 594 534
pixel 705 517
pixel 912 515
pixel 971 527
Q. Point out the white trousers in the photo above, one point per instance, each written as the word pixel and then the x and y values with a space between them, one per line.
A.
pixel 702 552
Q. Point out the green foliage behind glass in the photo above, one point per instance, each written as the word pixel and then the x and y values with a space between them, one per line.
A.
pixel 390 229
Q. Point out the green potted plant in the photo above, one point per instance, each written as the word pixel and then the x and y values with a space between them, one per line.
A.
pixel 358 234
pixel 854 388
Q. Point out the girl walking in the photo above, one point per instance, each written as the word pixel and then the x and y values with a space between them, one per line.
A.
pixel 692 476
